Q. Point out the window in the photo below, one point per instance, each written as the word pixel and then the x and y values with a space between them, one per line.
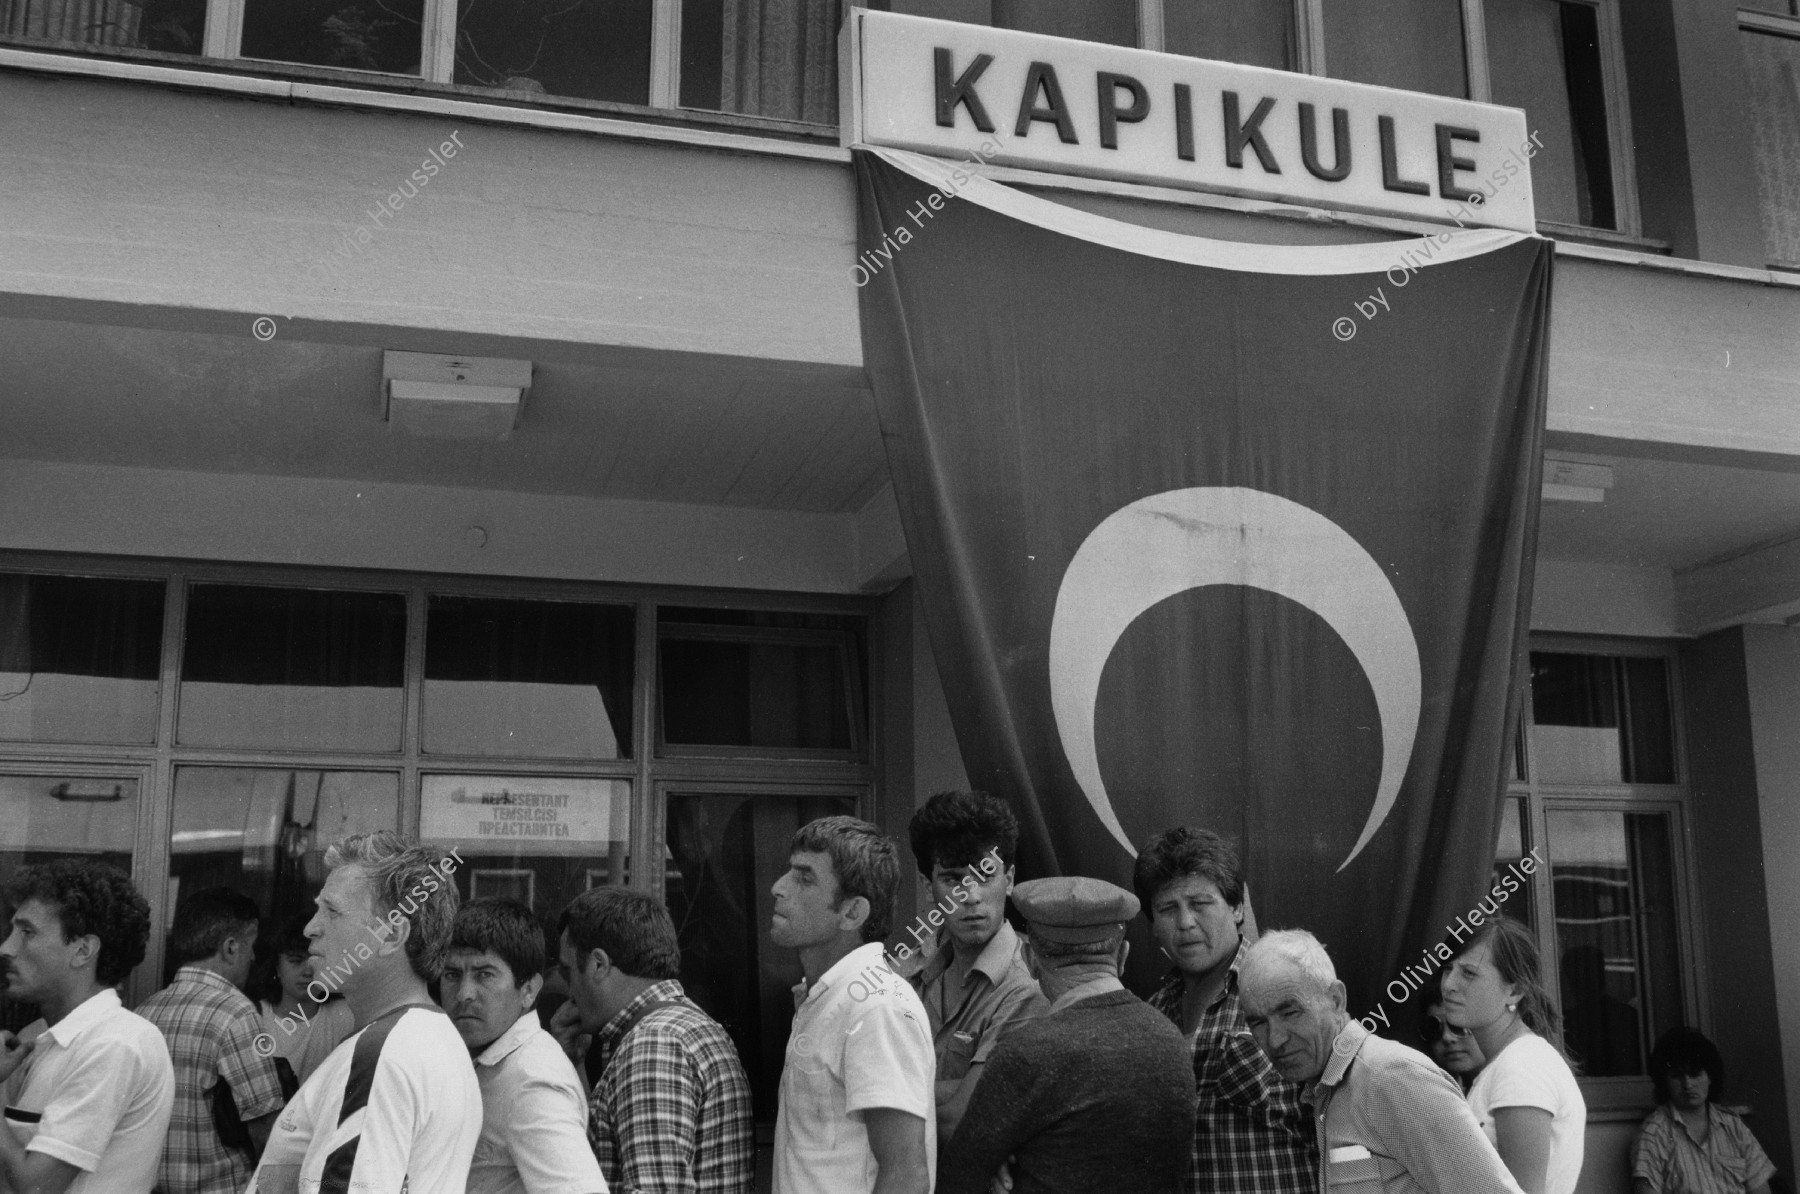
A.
pixel 541 678
pixel 263 830
pixel 296 668
pixel 172 26
pixel 514 722
pixel 1771 50
pixel 1561 61
pixel 594 49
pixel 48 816
pixel 377 35
pixel 1598 796
pixel 1253 32
pixel 725 849
pixel 79 658
pixel 782 684
pixel 1414 44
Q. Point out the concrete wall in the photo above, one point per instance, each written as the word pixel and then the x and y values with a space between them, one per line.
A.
pixel 1734 889
pixel 1772 672
pixel 1601 597
pixel 427 528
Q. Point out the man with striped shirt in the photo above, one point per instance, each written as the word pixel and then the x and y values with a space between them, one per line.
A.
pixel 396 1107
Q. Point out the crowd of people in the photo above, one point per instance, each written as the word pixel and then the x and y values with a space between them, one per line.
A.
pixel 987 1060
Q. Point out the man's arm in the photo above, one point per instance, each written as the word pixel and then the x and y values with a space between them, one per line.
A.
pixel 253 1080
pixel 1435 1135
pixel 546 1133
pixel 897 1138
pixel 32 1173
pixel 76 1124
pixel 259 1129
pixel 997 1122
pixel 656 1112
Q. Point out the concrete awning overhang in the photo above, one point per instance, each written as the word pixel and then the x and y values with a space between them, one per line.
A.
pixel 699 412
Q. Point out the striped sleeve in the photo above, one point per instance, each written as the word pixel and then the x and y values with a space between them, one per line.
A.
pixel 372 1144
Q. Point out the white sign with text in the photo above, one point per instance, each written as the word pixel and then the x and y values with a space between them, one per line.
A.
pixel 1074 107
pixel 522 814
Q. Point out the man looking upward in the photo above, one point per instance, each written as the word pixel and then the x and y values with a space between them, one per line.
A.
pixel 533 1111
pixel 396 1105
pixel 857 1112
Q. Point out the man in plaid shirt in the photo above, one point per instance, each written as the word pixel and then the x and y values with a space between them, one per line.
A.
pixel 212 1030
pixel 670 1113
pixel 1252 1130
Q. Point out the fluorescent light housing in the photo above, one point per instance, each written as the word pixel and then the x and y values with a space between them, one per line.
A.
pixel 445 397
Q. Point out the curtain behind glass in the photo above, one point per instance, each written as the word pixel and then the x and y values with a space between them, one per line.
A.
pixel 1772 71
pixel 779 59
pixel 92 22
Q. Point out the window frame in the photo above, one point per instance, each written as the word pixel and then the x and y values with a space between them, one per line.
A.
pixel 1615 1097
pixel 154 765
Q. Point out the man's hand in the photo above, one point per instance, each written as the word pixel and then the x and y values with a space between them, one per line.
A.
pixel 1002 1183
pixel 565 1026
pixel 13 1053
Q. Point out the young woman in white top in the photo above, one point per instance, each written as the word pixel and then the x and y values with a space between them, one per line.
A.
pixel 1526 1098
pixel 305 1032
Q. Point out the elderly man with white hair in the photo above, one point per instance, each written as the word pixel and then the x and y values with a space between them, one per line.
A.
pixel 1387 1118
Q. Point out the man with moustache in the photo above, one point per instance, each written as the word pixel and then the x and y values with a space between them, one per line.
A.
pixel 1387 1118
pixel 90 1090
pixel 976 986
pixel 1251 1134
pixel 533 1112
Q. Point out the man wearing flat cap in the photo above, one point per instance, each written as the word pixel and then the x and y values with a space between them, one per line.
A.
pixel 1097 1095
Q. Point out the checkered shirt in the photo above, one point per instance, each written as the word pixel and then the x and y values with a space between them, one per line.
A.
pixel 1253 1132
pixel 211 1029
pixel 671 1112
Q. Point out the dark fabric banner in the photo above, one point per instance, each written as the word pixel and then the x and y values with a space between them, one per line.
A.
pixel 1228 535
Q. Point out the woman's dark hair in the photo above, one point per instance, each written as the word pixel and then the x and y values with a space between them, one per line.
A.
pixel 1177 853
pixel 1513 950
pixel 265 980
pixel 955 829
pixel 1683 1051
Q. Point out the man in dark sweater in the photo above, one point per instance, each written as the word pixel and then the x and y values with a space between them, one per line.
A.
pixel 1096 1096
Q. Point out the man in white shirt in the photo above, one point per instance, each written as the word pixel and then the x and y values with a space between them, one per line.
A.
pixel 857 1112
pixel 396 1106
pixel 534 1114
pixel 89 1088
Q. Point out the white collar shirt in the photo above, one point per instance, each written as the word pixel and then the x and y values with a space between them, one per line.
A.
pixel 97 1093
pixel 533 1118
pixel 861 1041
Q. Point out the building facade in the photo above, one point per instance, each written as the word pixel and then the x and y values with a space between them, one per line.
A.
pixel 649 610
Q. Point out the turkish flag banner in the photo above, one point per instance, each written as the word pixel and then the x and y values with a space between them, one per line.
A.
pixel 1219 534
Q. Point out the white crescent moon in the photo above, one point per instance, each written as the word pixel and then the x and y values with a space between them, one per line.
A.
pixel 1189 538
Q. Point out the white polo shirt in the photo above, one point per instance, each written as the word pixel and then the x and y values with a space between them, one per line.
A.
pixel 96 1092
pixel 533 1118
pixel 395 1107
pixel 861 1040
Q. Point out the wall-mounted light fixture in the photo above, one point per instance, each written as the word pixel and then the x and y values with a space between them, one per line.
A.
pixel 1576 480
pixel 445 397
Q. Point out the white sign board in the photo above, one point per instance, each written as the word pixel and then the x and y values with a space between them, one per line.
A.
pixel 523 814
pixel 975 93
